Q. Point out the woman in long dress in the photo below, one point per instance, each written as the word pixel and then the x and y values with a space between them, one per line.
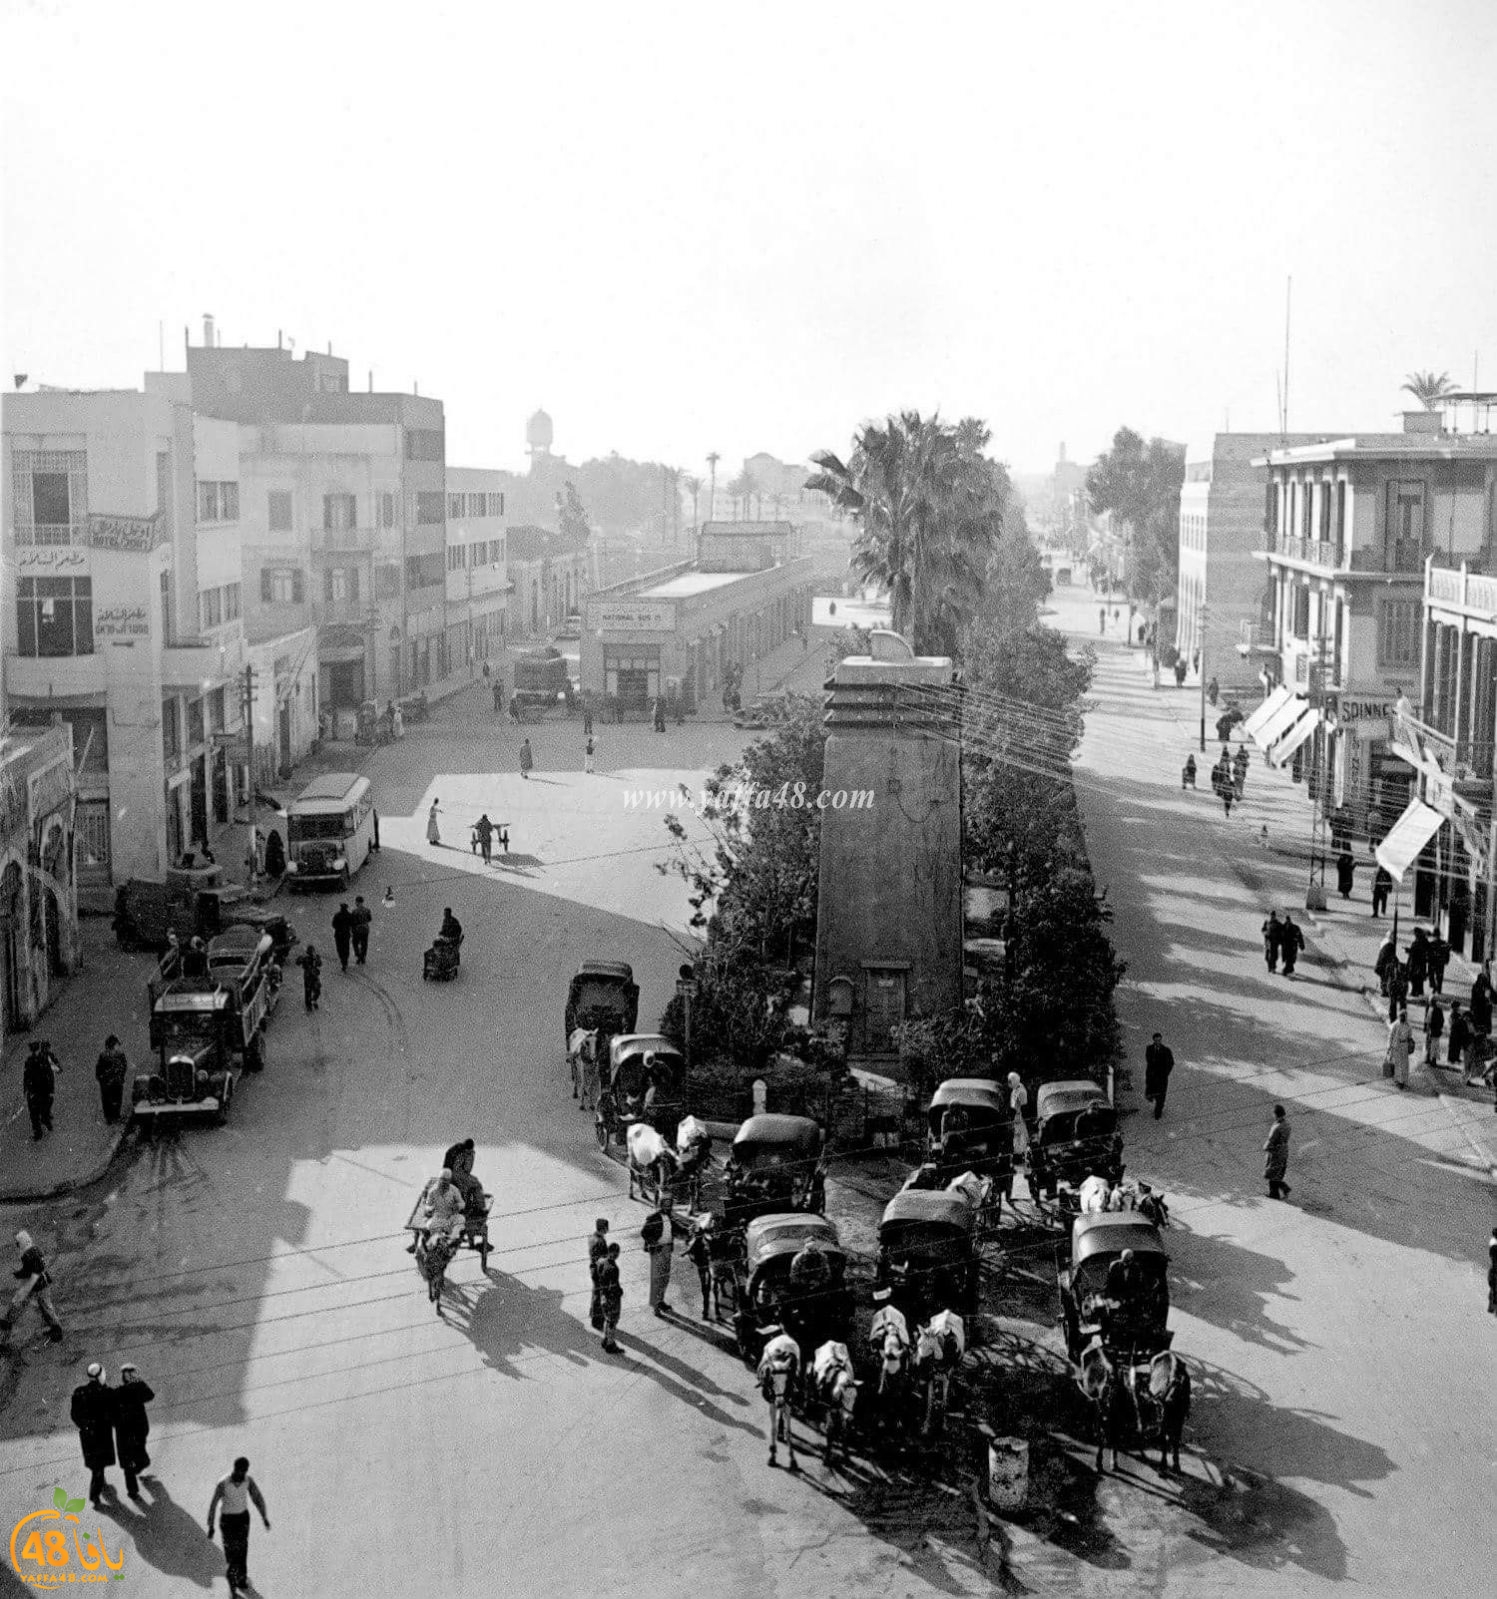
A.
pixel 1018 1099
pixel 433 832
pixel 1400 1039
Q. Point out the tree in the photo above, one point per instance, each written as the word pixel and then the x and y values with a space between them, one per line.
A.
pixel 693 486
pixel 1140 485
pixel 1428 389
pixel 571 514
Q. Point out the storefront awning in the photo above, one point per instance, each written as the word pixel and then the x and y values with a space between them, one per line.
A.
pixel 1283 752
pixel 1411 832
pixel 1268 733
pixel 1276 701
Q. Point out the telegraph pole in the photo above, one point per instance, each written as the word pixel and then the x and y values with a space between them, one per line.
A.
pixel 1201 645
pixel 249 755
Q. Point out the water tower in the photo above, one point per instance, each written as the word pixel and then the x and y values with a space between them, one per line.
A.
pixel 538 435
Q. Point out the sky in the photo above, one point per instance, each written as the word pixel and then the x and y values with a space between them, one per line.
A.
pixel 687 228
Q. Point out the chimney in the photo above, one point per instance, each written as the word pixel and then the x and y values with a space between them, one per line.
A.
pixel 1424 422
pixel 207 331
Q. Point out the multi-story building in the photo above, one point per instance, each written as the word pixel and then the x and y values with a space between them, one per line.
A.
pixel 549 573
pixel 477 586
pixel 121 530
pixel 1351 524
pixel 1223 591
pixel 344 513
pixel 38 876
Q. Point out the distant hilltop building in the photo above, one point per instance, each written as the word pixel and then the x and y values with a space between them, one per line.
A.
pixel 539 435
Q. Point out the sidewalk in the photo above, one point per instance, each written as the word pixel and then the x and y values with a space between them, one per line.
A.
pixel 107 994
pixel 1276 816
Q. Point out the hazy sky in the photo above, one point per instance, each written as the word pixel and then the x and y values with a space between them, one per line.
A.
pixel 688 227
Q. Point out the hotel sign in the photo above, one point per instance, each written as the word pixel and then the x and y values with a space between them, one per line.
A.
pixel 631 616
pixel 138 533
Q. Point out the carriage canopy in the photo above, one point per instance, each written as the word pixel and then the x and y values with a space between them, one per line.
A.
pixel 626 1057
pixel 1064 1111
pixel 603 993
pixel 926 1210
pixel 763 1142
pixel 984 1100
pixel 783 1235
pixel 1100 1238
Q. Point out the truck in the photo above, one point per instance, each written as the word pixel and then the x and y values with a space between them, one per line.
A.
pixel 206 1026
pixel 541 681
pixel 191 902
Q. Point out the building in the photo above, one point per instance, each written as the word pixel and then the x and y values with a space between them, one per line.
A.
pixel 548 574
pixel 1222 596
pixel 477 584
pixel 344 516
pixel 38 879
pixel 691 630
pixel 121 525
pixel 1351 525
pixel 286 704
pixel 889 913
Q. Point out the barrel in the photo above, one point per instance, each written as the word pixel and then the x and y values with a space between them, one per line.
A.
pixel 1008 1473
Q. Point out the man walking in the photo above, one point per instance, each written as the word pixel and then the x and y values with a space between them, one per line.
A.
pixel 363 917
pixel 1276 1155
pixel 39 1085
pixel 235 1493
pixel 343 933
pixel 1434 1027
pixel 660 1244
pixel 484 828
pixel 1272 933
pixel 1291 942
pixel 110 1071
pixel 35 1289
pixel 498 697
pixel 527 759
pixel 1159 1062
pixel 93 1416
pixel 610 1297
pixel 1382 886
pixel 587 754
pixel 132 1426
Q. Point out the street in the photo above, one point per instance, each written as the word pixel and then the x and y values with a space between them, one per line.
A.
pixel 256 1272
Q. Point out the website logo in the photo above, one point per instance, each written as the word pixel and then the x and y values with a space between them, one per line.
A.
pixel 42 1556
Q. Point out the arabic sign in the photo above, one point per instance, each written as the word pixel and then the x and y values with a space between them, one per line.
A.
pixel 122 621
pixel 50 558
pixel 631 616
pixel 125 532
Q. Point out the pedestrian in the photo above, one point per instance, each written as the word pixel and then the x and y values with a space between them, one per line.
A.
pixel 235 1494
pixel 498 695
pixel 1272 934
pixel 660 1245
pixel 1240 771
pixel 375 845
pixel 1221 783
pixel 487 674
pixel 1439 958
pixel 1018 1101
pixel 597 1245
pixel 1418 962
pixel 363 918
pixel 587 720
pixel 1346 867
pixel 484 828
pixel 1213 690
pixel 1434 1027
pixel 1398 990
pixel 397 722
pixel 311 976
pixel 110 1070
pixel 433 832
pixel 93 1415
pixel 587 755
pixel 1492 1275
pixel 1101 618
pixel 1276 1155
pixel 610 1297
pixel 527 759
pixel 659 714
pixel 1400 1041
pixel 1179 671
pixel 1291 942
pixel 1159 1062
pixel 1460 1037
pixel 343 933
pixel 132 1426
pixel 1224 724
pixel 1385 962
pixel 39 1085
pixel 1382 886
pixel 699 1253
pixel 1188 773
pixel 35 1289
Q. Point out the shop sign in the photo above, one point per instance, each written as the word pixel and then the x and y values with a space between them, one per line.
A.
pixel 631 616
pixel 1363 710
pixel 53 560
pixel 122 621
pixel 136 533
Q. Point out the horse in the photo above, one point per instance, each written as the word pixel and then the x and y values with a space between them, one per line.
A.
pixel 889 1341
pixel 649 1156
pixel 779 1366
pixel 693 1150
pixel 1169 1388
pixel 1094 1195
pixel 939 1347
pixel 1107 1389
pixel 434 1253
pixel 582 1057
pixel 837 1390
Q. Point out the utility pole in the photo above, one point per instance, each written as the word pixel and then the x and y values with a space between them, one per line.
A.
pixel 1202 647
pixel 1315 890
pixel 712 459
pixel 249 753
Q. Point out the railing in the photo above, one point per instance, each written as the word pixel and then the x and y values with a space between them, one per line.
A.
pixel 1463 588
pixel 1317 552
pixel 53 533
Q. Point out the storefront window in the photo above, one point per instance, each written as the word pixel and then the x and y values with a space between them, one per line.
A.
pixel 631 676
pixel 54 616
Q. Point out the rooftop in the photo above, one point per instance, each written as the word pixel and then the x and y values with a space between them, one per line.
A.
pixel 687 583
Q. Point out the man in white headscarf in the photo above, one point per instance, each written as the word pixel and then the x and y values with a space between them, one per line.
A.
pixel 93 1416
pixel 36 1288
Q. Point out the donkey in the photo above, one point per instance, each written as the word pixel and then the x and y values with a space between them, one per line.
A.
pixel 779 1366
pixel 1169 1388
pixel 837 1390
pixel 939 1347
pixel 1107 1389
pixel 889 1342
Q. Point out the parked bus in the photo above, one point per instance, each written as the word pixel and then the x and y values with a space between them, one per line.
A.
pixel 331 828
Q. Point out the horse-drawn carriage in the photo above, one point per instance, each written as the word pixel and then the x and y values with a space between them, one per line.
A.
pixel 602 1003
pixel 792 1274
pixel 643 1081
pixel 929 1251
pixel 1076 1136
pixel 970 1127
pixel 435 1247
pixel 1123 1305
pixel 777 1164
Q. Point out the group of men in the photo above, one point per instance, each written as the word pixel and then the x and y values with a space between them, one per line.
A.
pixel 113 1427
pixel 1282 940
pixel 351 931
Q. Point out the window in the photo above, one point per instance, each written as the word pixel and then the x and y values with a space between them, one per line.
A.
pixel 1300 613
pixel 496 550
pixel 278 510
pixel 387 510
pixel 50 502
pixel 422 571
pixel 455 504
pixel 210 608
pixel 282 585
pixel 195 722
pixel 171 734
pixel 50 494
pixel 1398 633
pixel 218 502
pixel 1405 525
pixel 496 505
pixel 389 580
pixel 430 508
pixel 54 616
pixel 476 505
pixel 216 723
pixel 339 513
pixel 424 444
pixel 455 554
pixel 340 585
pixel 233 601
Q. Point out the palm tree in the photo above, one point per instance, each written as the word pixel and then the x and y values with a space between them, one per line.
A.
pixel 742 489
pixel 1428 389
pixel 693 486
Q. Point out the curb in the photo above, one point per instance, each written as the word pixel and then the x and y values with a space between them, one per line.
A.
pixel 26 1196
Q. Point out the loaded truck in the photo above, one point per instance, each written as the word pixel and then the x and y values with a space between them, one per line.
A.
pixel 541 682
pixel 191 902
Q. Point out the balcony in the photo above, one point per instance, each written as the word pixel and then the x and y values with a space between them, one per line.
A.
pixel 101 530
pixel 1463 590
pixel 29 677
pixel 193 664
pixel 1314 552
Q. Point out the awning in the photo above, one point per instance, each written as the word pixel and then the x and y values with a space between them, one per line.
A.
pixel 1410 833
pixel 1268 733
pixel 1283 752
pixel 1276 701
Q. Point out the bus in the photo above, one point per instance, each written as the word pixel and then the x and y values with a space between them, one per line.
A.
pixel 331 828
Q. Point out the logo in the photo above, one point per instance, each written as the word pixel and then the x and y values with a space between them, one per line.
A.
pixel 41 1555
